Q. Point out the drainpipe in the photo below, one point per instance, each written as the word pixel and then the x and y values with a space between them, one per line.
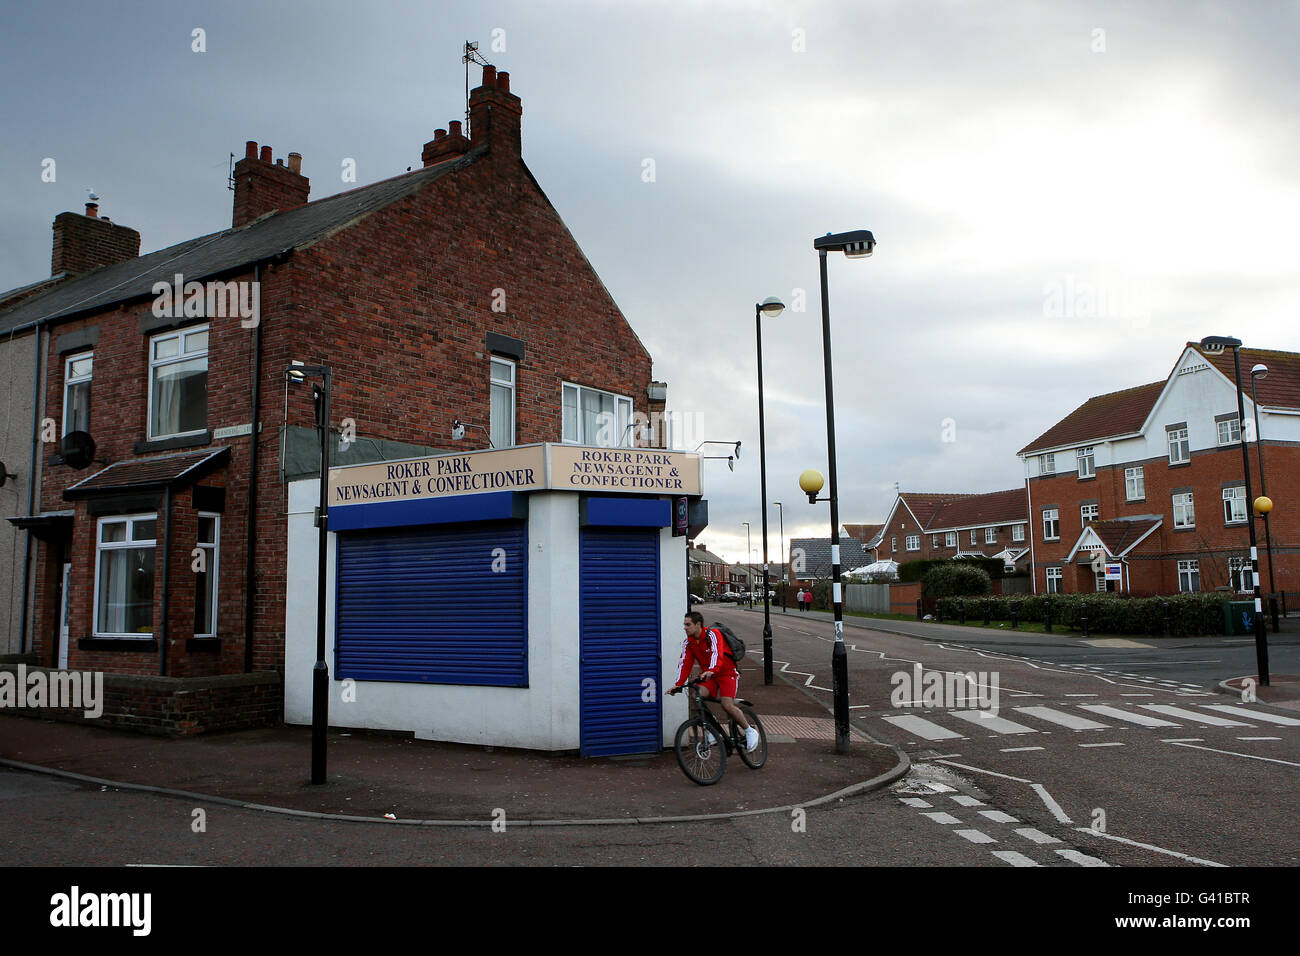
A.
pixel 251 523
pixel 167 538
pixel 31 490
pixel 1033 569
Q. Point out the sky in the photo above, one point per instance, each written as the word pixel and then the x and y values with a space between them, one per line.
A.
pixel 1062 193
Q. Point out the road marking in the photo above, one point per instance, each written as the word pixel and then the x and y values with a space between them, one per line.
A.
pixel 1014 858
pixel 1074 856
pixel 1184 740
pixel 1254 714
pixel 941 817
pixel 997 816
pixel 1036 836
pixel 1017 750
pixel 1143 719
pixel 916 802
pixel 992 773
pixel 1114 744
pixel 1083 695
pixel 1051 804
pixel 1137 695
pixel 1073 721
pixel 975 836
pixel 923 728
pixel 1171 711
pixel 1231 753
pixel 1259 738
pixel 988 721
pixel 966 801
pixel 1148 846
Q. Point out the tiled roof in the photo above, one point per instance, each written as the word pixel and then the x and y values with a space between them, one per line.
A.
pixel 994 508
pixel 1120 534
pixel 1279 389
pixel 1103 416
pixel 702 554
pixel 926 505
pixel 220 252
pixel 161 472
pixel 864 532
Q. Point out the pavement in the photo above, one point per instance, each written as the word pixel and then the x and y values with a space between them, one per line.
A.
pixel 377 777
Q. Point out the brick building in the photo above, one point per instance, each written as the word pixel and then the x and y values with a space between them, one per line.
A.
pixel 452 293
pixel 713 568
pixel 1151 479
pixel 928 526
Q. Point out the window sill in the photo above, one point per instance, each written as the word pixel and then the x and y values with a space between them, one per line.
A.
pixel 1178 530
pixel 130 645
pixel 197 440
pixel 1092 477
pixel 1135 501
pixel 1179 464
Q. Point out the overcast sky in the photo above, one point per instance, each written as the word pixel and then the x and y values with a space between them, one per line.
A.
pixel 1063 193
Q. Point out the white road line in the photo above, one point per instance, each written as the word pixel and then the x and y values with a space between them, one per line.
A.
pixel 1014 858
pixel 1254 714
pixel 916 802
pixel 1073 721
pixel 1074 856
pixel 940 817
pixel 1083 695
pixel 923 728
pixel 991 773
pixel 1017 750
pixel 1148 846
pixel 1051 804
pixel 966 801
pixel 1184 740
pixel 1231 753
pixel 988 721
pixel 975 836
pixel 1036 836
pixel 1118 714
pixel 1113 744
pixel 1259 738
pixel 1169 710
pixel 997 816
pixel 1137 695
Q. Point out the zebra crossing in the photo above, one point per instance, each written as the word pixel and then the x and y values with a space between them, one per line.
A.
pixel 939 725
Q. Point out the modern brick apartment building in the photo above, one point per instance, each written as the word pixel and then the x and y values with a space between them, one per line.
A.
pixel 1151 478
pixel 926 526
pixel 453 292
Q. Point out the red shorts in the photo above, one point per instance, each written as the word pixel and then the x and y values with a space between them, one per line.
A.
pixel 722 685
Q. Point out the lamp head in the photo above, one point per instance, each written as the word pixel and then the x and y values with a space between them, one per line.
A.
pixel 457 430
pixel 1216 344
pixel 857 244
pixel 811 482
pixel 296 377
pixel 731 463
pixel 1263 505
pixel 737 451
pixel 771 307
pixel 1259 371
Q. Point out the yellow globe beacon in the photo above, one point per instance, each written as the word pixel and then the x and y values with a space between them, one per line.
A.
pixel 811 482
pixel 1263 504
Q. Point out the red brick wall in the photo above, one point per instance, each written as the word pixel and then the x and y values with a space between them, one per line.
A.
pixel 903 597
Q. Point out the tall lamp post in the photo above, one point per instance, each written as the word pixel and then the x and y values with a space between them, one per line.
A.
pixel 1261 371
pixel 1215 345
pixel 749 567
pixel 771 306
pixel 855 245
pixel 785 578
pixel 320 675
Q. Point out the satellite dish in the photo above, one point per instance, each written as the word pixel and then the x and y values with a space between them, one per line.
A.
pixel 77 449
pixel 5 474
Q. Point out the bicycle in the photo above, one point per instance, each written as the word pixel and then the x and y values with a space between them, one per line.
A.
pixel 702 745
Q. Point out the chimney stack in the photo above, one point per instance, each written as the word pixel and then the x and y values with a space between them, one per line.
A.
pixel 445 145
pixel 263 186
pixel 83 243
pixel 494 113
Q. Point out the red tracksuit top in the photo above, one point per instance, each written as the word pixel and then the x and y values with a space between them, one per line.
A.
pixel 710 651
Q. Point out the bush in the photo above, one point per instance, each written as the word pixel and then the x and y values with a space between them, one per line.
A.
pixel 916 570
pixel 700 586
pixel 1189 614
pixel 952 578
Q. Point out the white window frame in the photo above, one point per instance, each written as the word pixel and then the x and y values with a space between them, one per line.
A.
pixel 1087 462
pixel 181 356
pixel 934 542
pixel 1052 515
pixel 973 533
pixel 1135 481
pixel 1231 498
pixel 1225 427
pixel 1180 447
pixel 1054 577
pixel 950 539
pixel 1186 504
pixel 495 382
pixel 127 544
pixel 1241 574
pixel 625 439
pixel 1092 511
pixel 990 535
pixel 1047 463
pixel 70 381
pixel 214 568
pixel 893 544
pixel 913 542
pixel 1018 532
pixel 1189 567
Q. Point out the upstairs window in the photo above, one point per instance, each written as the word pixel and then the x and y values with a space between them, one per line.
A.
pixel 1135 488
pixel 1047 464
pixel 973 533
pixel 503 402
pixel 1180 450
pixel 1234 505
pixel 1184 511
pixel 893 543
pixel 1229 431
pixel 990 535
pixel 1087 462
pixel 950 539
pixel 178 383
pixel 913 542
pixel 1018 533
pixel 1089 512
pixel 593 417
pixel 1051 524
pixel 76 392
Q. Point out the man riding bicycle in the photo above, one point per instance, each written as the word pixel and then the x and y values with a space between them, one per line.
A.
pixel 707 647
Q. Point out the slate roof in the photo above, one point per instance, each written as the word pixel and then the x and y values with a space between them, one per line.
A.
pixel 817 556
pixel 1102 416
pixel 993 508
pixel 161 472
pixel 704 555
pixel 212 255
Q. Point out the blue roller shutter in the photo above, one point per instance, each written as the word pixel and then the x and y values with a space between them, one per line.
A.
pixel 619 617
pixel 440 605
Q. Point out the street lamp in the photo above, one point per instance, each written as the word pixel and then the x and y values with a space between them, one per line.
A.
pixel 1261 371
pixel 855 245
pixel 785 572
pixel 1215 345
pixel 749 567
pixel 297 373
pixel 772 307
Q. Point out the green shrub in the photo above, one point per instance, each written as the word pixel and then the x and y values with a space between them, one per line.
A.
pixel 1189 614
pixel 955 578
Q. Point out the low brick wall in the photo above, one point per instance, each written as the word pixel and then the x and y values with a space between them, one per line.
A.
pixel 903 597
pixel 169 706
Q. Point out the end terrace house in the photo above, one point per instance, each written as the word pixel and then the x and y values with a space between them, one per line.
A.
pixel 456 313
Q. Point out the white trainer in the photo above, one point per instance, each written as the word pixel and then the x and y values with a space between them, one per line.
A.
pixel 751 739
pixel 709 738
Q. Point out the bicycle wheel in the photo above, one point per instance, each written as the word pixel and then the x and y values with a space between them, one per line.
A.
pixel 701 761
pixel 758 756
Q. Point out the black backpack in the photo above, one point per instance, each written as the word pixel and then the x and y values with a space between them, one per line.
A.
pixel 735 646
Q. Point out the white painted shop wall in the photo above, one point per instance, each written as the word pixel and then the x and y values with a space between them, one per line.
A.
pixel 542 716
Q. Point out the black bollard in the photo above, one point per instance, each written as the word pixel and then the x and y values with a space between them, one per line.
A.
pixel 919 615
pixel 986 613
pixel 1083 619
pixel 961 613
pixel 1047 618
pixel 1165 618
pixel 1015 615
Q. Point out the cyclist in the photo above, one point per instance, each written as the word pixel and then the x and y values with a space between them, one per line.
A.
pixel 707 647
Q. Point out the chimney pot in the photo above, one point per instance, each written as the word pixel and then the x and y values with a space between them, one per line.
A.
pixel 490 76
pixel 454 126
pixel 250 150
pixel 92 210
pixel 295 162
pixel 503 82
pixel 266 154
pixel 439 134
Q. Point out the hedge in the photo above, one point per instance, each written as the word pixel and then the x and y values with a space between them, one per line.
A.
pixel 953 578
pixel 915 570
pixel 1189 614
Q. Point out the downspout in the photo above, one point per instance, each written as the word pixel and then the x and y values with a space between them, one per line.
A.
pixel 251 536
pixel 167 538
pixel 31 492
pixel 1033 568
